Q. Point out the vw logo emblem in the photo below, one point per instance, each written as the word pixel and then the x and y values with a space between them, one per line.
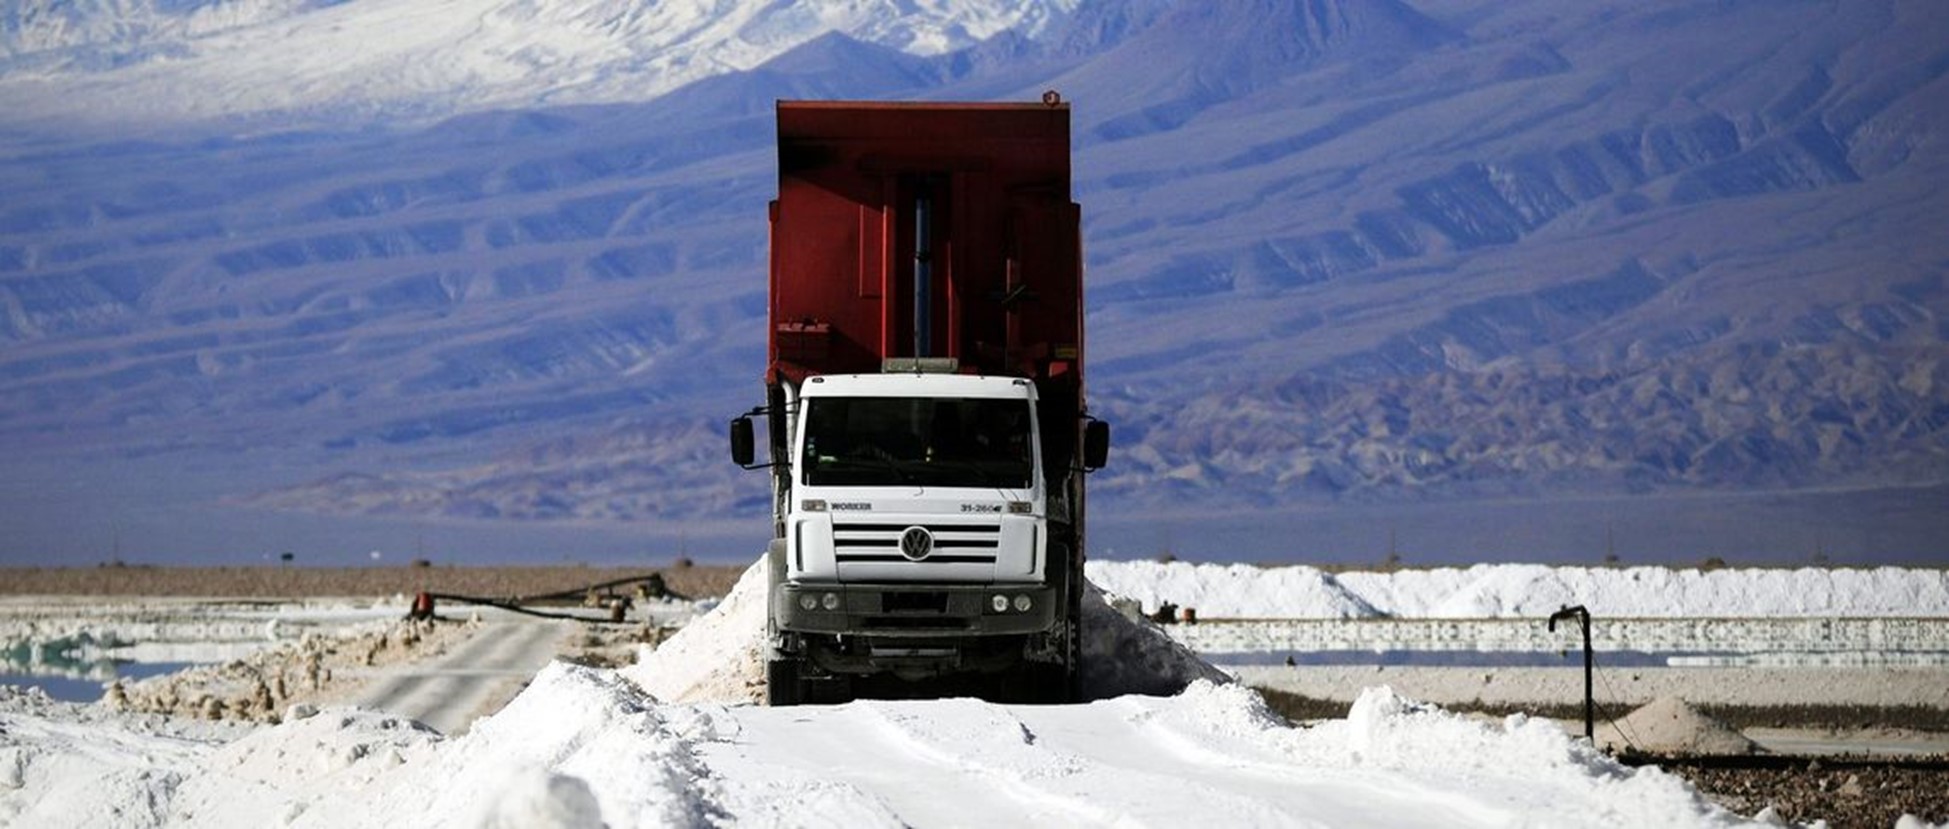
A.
pixel 916 543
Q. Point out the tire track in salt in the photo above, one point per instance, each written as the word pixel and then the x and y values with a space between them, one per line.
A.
pixel 1054 786
pixel 988 745
pixel 896 764
pixel 1228 752
pixel 820 766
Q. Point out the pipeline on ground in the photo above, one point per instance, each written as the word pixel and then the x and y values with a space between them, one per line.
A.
pixel 649 586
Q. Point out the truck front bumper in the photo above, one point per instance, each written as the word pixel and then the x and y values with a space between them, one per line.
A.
pixel 912 610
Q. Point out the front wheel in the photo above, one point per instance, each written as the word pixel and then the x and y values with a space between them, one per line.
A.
pixel 1040 683
pixel 1072 597
pixel 782 685
pixel 1058 682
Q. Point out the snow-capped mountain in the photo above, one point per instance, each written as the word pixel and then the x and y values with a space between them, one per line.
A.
pixel 1527 278
pixel 164 60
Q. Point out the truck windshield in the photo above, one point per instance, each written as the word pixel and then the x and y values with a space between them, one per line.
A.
pixel 917 441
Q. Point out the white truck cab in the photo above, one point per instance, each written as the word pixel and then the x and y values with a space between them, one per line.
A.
pixel 916 477
pixel 916 508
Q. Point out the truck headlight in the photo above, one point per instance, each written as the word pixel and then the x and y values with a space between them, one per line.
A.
pixel 999 602
pixel 1022 603
pixel 830 601
pixel 808 602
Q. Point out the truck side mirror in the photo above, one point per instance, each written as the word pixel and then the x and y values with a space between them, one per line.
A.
pixel 742 442
pixel 1096 444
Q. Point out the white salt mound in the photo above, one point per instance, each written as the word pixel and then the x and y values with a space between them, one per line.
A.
pixel 1669 725
pixel 719 657
pixel 538 799
pixel 1232 591
pixel 1526 591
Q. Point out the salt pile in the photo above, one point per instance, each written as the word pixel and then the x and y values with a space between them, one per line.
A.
pixel 1669 725
pixel 1235 591
pixel 581 749
pixel 578 745
pixel 65 764
pixel 1239 591
pixel 719 657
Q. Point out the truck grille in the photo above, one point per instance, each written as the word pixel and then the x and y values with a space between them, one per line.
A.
pixel 879 542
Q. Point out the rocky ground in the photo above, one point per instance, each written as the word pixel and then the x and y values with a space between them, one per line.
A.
pixel 1850 794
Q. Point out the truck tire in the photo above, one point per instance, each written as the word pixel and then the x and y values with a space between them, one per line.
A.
pixel 1068 685
pixel 782 685
pixel 1055 683
pixel 1038 683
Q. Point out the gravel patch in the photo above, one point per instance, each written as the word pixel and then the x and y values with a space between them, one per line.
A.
pixel 1846 795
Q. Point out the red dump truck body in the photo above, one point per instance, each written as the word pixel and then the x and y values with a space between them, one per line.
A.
pixel 1007 291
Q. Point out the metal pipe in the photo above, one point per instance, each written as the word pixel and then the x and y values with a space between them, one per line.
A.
pixel 923 274
pixel 1583 617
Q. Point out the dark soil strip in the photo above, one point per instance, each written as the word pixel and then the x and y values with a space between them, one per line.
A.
pixel 279 582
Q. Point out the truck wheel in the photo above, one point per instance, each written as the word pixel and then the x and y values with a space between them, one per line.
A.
pixel 1044 683
pixel 782 686
pixel 834 690
pixel 1068 687
pixel 1053 683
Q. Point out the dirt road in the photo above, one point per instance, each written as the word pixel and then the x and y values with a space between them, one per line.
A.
pixel 449 691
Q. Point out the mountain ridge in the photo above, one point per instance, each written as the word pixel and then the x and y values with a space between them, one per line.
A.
pixel 106 62
pixel 1442 254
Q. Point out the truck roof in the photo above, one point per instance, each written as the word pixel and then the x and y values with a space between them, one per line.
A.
pixel 908 384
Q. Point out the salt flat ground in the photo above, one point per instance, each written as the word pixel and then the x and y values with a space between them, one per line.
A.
pixel 447 690
pixel 585 746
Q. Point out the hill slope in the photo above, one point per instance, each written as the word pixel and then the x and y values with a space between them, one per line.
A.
pixel 1344 254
